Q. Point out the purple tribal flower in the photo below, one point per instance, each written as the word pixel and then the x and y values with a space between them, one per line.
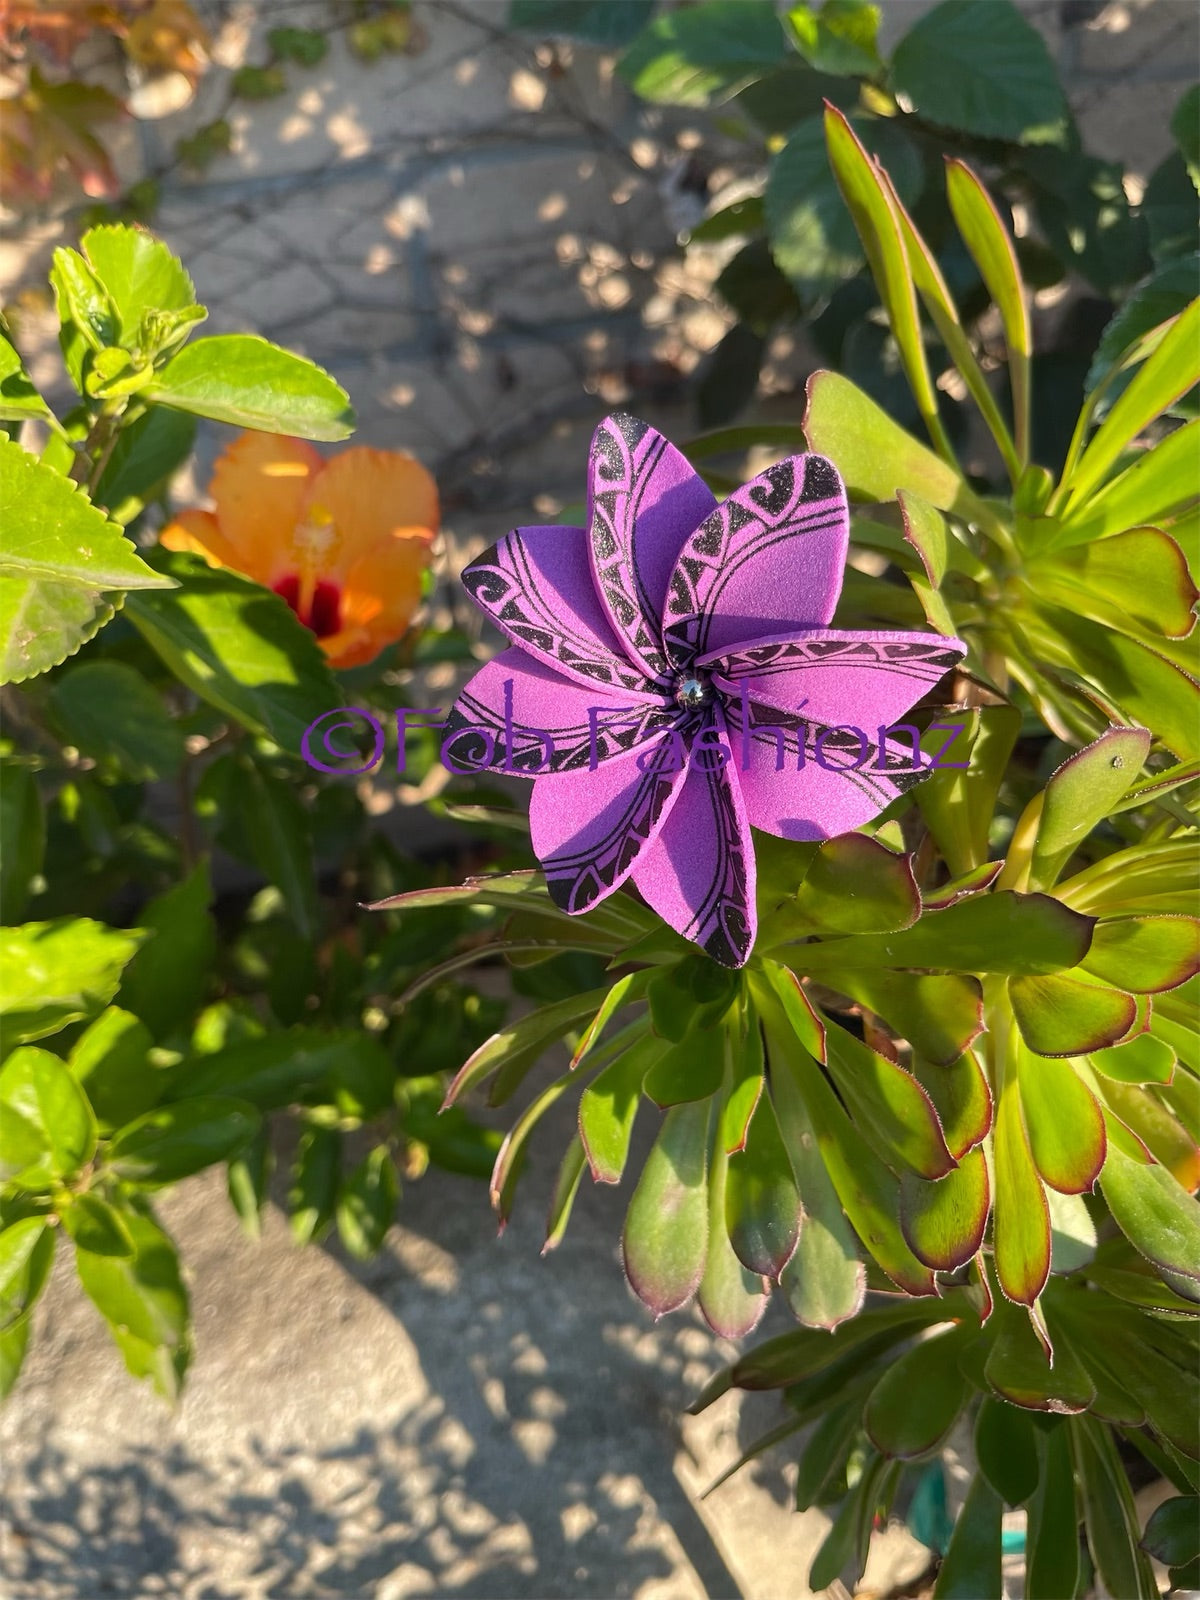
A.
pixel 673 683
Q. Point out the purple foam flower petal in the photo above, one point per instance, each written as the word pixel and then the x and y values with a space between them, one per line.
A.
pixel 644 500
pixel 832 677
pixel 699 873
pixel 536 585
pixel 801 781
pixel 767 561
pixel 518 715
pixel 589 828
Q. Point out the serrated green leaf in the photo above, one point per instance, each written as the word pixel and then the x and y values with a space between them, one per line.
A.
pixel 52 973
pixel 167 979
pixel 704 54
pixel 247 381
pixel 239 647
pixel 59 554
pixel 18 397
pixel 109 712
pixel 985 72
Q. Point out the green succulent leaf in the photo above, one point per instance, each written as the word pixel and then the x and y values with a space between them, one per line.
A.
pixel 1109 1514
pixel 961 1098
pixel 608 1106
pixel 730 1297
pixel 1053 1560
pixel 888 1104
pixel 958 804
pixel 1145 954
pixel 1172 1534
pixel 665 1240
pixel 1156 1215
pixel 1006 1449
pixel 1157 486
pixel 972 1564
pixel 940 1014
pixel 898 1428
pixel 944 1221
pixel 853 885
pixel 1069 1014
pixel 1063 1121
pixel 762 1206
pixel 1021 1226
pixel 1080 794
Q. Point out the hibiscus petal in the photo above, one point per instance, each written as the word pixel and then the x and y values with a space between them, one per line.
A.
pixel 801 781
pixel 767 561
pixel 588 829
pixel 371 497
pixel 516 703
pixel 536 585
pixel 199 533
pixel 259 484
pixel 699 873
pixel 644 500
pixel 864 680
pixel 382 592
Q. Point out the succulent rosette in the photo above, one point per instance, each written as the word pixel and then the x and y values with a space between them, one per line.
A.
pixel 672 682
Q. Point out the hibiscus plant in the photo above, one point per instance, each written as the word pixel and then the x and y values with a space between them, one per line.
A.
pixel 181 954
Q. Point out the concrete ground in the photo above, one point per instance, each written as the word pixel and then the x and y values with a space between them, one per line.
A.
pixel 458 1417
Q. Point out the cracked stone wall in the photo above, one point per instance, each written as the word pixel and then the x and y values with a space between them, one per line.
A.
pixel 479 238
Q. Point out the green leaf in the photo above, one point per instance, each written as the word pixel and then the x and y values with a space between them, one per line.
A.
pixel 608 1106
pixel 520 1044
pixel 1144 954
pixel 1018 1370
pixel 868 1191
pixel 246 1180
pixel 839 38
pixel 888 1104
pixel 367 1204
pixel 307 47
pixel 939 1014
pixel 825 1281
pixel 1172 1534
pixel 992 250
pixel 961 1097
pixel 18 398
pixel 239 647
pixel 870 205
pixel 1068 1015
pixel 84 304
pixel 59 554
pixel 144 1302
pixel 96 1226
pixel 312 1195
pixel 247 381
pixel 853 885
pixel 139 274
pixel 958 805
pixel 175 1141
pixel 728 380
pixel 1160 597
pixel 1141 1060
pixel 981 70
pixel 1051 1545
pixel 812 233
pixel 111 1061
pixel 972 1564
pixel 52 973
pixel 704 54
pixel 1170 372
pixel 943 1222
pixel 1006 1449
pixel 259 83
pixel 895 1425
pixel 1158 485
pixel 874 455
pixel 566 1187
pixel 22 837
pixel 1109 1513
pixel 598 22
pixel 275 825
pixel 730 1297
pixel 1152 302
pixel 1156 1215
pixel 997 932
pixel 109 712
pixel 690 1070
pixel 1063 1121
pixel 146 454
pixel 926 531
pixel 1169 211
pixel 665 1239
pixel 26 1256
pixel 1022 1222
pixel 167 979
pixel 1147 687
pixel 762 1205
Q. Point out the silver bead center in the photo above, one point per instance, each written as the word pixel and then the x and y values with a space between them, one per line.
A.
pixel 692 691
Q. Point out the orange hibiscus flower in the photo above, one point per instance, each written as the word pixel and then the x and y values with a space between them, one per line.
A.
pixel 343 541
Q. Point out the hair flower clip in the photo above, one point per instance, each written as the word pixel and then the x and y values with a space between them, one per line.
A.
pixel 672 683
